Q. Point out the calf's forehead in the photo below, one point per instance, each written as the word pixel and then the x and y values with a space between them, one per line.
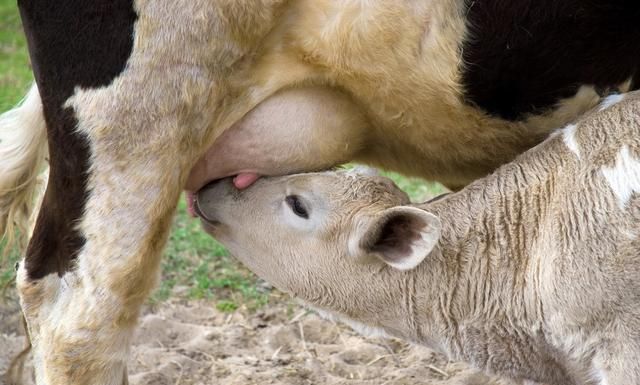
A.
pixel 345 187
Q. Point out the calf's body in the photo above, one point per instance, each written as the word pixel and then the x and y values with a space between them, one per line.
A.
pixel 531 272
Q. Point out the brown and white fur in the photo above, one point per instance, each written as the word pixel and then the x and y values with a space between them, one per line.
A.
pixel 147 87
pixel 531 272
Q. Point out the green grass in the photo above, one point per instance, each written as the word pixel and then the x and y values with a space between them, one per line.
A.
pixel 194 266
pixel 15 78
pixel 15 71
pixel 417 189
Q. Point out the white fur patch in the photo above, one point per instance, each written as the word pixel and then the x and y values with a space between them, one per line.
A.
pixel 602 378
pixel 569 138
pixel 23 150
pixel 599 377
pixel 611 100
pixel 624 177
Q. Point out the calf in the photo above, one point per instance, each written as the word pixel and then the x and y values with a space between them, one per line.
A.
pixel 531 272
pixel 130 94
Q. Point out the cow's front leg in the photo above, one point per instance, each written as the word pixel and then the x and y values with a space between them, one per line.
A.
pixel 141 139
pixel 80 324
pixel 132 92
pixel 81 318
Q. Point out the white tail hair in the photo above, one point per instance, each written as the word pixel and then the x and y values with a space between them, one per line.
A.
pixel 23 156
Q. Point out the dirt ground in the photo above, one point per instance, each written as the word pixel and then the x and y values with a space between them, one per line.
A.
pixel 181 343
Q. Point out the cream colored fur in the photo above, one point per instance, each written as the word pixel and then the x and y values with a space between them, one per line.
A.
pixel 535 275
pixel 196 69
pixel 23 152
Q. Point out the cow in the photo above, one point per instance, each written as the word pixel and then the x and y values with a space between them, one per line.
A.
pixel 132 98
pixel 530 273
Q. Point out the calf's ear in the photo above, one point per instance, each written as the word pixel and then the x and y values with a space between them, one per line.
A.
pixel 401 236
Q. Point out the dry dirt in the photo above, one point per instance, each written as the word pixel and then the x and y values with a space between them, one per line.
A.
pixel 181 343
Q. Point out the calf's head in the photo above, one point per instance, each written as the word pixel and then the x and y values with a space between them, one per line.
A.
pixel 323 237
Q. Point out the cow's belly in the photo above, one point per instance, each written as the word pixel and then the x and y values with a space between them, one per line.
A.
pixel 411 104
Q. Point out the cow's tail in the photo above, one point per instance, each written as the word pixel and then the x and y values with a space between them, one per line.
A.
pixel 23 160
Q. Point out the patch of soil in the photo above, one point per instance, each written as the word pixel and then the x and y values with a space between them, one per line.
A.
pixel 183 343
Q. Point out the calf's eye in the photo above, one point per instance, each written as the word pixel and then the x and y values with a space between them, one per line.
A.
pixel 296 205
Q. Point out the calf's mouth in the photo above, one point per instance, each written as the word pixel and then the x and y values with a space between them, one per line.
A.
pixel 205 215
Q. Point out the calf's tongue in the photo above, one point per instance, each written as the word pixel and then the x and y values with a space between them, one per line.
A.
pixel 244 180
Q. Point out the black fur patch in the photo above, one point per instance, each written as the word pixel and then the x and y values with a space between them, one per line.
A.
pixel 72 43
pixel 522 56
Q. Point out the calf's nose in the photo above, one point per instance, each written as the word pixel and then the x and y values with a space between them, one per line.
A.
pixel 210 197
